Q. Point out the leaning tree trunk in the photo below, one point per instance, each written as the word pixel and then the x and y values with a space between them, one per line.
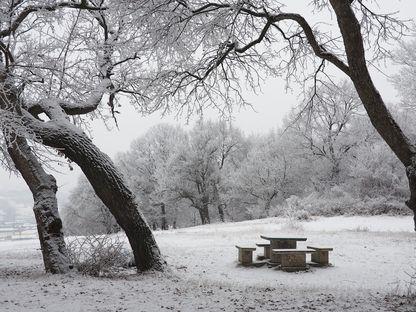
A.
pixel 108 184
pixel 379 115
pixel 101 172
pixel 42 185
pixel 43 188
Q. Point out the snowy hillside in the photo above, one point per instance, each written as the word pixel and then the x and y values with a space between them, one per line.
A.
pixel 370 259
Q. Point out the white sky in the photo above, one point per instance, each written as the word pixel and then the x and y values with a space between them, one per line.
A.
pixel 271 106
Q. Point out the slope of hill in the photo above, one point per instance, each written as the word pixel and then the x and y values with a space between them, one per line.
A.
pixel 370 260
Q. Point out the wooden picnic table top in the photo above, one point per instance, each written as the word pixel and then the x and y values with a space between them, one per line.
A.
pixel 280 251
pixel 283 238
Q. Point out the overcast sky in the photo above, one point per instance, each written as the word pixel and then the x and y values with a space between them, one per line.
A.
pixel 271 106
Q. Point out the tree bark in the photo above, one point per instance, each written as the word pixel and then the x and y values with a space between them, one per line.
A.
pixel 42 185
pixel 204 214
pixel 411 203
pixel 43 188
pixel 101 172
pixel 163 220
pixel 373 103
pixel 217 201
pixel 335 170
pixel 268 205
pixel 221 212
pixel 110 187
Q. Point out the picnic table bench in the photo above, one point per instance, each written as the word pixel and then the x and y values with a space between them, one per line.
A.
pixel 291 260
pixel 245 254
pixel 320 255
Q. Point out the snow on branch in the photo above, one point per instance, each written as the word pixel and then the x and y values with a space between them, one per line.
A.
pixel 23 13
pixel 206 53
pixel 203 53
pixel 70 108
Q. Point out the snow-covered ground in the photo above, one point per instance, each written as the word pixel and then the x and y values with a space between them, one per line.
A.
pixel 370 260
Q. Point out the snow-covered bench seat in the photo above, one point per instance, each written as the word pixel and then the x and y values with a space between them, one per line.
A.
pixel 266 253
pixel 320 255
pixel 290 259
pixel 245 255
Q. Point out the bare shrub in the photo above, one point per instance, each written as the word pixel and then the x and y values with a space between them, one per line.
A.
pixel 360 228
pixel 294 213
pixel 411 286
pixel 98 255
pixel 337 201
pixel 302 215
pixel 403 297
pixel 294 210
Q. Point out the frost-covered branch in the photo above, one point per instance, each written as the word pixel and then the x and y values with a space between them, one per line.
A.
pixel 20 13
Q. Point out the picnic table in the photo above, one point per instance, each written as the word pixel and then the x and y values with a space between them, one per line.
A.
pixel 282 251
pixel 280 242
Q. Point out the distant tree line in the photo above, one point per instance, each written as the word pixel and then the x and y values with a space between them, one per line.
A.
pixel 328 155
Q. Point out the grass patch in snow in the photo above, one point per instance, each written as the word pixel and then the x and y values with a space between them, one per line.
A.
pixel 98 255
pixel 360 228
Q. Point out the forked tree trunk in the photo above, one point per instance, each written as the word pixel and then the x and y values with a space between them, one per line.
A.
pixel 42 185
pixel 204 214
pixel 110 187
pixel 379 115
pixel 43 188
pixel 101 172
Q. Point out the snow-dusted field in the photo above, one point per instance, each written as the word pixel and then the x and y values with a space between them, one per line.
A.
pixel 371 257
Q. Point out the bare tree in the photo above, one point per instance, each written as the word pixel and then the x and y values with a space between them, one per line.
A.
pixel 42 185
pixel 195 172
pixel 405 79
pixel 192 172
pixel 265 175
pixel 230 153
pixel 323 127
pixel 145 167
pixel 246 38
pixel 65 73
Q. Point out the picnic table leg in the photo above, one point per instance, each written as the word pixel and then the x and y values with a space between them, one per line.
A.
pixel 267 251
